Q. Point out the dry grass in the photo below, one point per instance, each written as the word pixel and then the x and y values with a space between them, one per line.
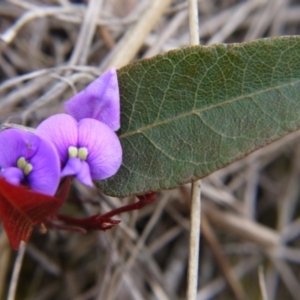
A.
pixel 251 224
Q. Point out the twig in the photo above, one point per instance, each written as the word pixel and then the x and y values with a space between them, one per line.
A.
pixel 251 190
pixel 107 38
pixel 222 262
pixel 194 241
pixel 266 17
pixel 16 272
pixel 287 277
pixel 48 264
pixel 80 53
pixel 241 12
pixel 11 33
pixel 262 283
pixel 137 248
pixel 193 22
pixel 54 93
pixel 286 209
pixel 132 41
pixel 171 27
pixel 5 260
pixel 249 230
pixel 216 286
pixel 19 79
pixel 195 230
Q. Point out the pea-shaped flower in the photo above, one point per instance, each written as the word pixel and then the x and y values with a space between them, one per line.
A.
pixel 87 149
pixel 28 159
pixel 100 100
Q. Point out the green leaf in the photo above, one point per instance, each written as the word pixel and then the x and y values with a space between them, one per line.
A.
pixel 192 111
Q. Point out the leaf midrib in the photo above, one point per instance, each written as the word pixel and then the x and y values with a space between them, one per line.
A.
pixel 181 116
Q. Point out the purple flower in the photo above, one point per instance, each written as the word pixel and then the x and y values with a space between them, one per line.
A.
pixel 100 100
pixel 25 158
pixel 87 149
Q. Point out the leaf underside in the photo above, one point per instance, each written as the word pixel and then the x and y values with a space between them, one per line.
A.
pixel 192 111
pixel 21 208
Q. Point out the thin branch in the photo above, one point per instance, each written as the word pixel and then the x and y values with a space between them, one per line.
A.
pixel 80 53
pixel 194 241
pixel 193 22
pixel 16 272
pixel 196 186
pixel 131 42
pixel 11 33
pixel 221 260
pixel 262 283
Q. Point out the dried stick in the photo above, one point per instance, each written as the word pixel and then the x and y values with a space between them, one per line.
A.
pixel 80 53
pixel 5 256
pixel 222 262
pixel 16 272
pixel 54 93
pixel 241 12
pixel 196 186
pixel 132 41
pixel 167 33
pixel 216 286
pixel 262 283
pixel 194 241
pixel 11 33
pixel 43 72
pixel 137 248
pixel 193 22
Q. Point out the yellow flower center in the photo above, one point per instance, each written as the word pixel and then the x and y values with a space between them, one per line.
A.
pixel 24 165
pixel 73 151
pixel 81 153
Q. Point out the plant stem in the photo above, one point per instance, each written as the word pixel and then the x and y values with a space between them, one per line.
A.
pixel 262 283
pixel 16 272
pixel 196 186
pixel 194 241
pixel 193 22
pixel 101 222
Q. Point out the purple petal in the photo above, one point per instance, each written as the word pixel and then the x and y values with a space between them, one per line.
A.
pixel 72 167
pixel 12 175
pixel 45 175
pixel 15 143
pixel 78 168
pixel 84 175
pixel 100 100
pixel 104 148
pixel 61 130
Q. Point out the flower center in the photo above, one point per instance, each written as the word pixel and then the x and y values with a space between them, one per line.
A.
pixel 24 165
pixel 81 152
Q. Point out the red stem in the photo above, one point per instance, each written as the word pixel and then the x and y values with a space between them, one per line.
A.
pixel 104 222
pixel 143 200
